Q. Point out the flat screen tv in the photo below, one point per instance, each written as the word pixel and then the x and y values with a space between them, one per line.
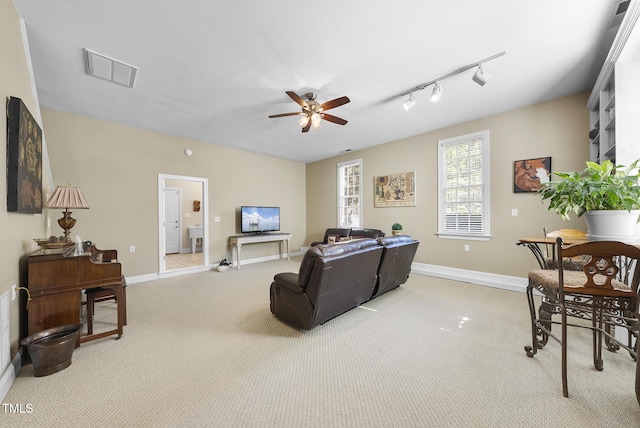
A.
pixel 256 219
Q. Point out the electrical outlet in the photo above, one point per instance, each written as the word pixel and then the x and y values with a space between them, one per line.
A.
pixel 466 247
pixel 14 292
pixel 216 219
pixel 514 212
pixel 132 249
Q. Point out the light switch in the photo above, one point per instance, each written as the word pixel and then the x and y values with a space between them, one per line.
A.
pixel 514 212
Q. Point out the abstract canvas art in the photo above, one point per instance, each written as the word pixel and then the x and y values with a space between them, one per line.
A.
pixel 24 159
pixel 395 190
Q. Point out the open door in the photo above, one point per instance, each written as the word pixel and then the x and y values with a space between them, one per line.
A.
pixel 179 217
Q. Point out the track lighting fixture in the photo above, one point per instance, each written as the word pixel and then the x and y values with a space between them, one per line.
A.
pixel 480 77
pixel 409 103
pixel 436 93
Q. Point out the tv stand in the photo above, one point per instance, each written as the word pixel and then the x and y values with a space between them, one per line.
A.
pixel 236 242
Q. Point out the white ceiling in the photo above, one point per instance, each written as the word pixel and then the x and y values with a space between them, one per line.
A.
pixel 214 71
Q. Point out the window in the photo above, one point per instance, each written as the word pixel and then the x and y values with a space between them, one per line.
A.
pixel 463 187
pixel 350 193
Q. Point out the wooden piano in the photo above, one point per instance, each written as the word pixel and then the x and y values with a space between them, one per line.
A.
pixel 55 284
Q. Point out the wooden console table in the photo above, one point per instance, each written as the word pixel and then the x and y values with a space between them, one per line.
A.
pixel 237 241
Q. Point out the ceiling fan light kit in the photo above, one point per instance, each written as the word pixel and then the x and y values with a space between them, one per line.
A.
pixel 480 77
pixel 313 112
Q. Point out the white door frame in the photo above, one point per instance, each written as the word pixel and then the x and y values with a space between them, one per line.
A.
pixel 205 218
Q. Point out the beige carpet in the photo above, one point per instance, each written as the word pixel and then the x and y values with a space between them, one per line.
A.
pixel 203 350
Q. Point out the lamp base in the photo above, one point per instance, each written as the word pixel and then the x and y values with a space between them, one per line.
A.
pixel 66 223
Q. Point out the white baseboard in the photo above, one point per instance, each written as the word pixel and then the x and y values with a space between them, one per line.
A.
pixel 10 374
pixel 186 271
pixel 511 283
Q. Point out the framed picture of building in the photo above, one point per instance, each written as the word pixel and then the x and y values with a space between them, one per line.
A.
pixel 528 174
pixel 24 159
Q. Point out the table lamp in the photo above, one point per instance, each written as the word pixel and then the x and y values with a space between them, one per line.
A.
pixel 67 197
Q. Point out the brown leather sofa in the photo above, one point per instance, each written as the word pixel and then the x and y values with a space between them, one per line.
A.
pixel 338 277
pixel 332 280
pixel 395 263
pixel 355 233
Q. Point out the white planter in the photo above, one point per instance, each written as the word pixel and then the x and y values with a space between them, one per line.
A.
pixel 612 225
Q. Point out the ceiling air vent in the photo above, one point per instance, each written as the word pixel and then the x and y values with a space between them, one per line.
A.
pixel 110 69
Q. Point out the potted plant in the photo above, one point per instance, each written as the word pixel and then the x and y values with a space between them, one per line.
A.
pixel 396 229
pixel 602 193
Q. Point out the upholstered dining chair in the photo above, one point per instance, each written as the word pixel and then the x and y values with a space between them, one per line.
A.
pixel 604 294
pixel 565 234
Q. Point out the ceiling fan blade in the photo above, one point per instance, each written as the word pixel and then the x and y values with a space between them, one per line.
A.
pixel 284 114
pixel 335 103
pixel 306 127
pixel 334 119
pixel 295 97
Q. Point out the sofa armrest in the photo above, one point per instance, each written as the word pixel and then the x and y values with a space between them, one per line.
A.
pixel 288 280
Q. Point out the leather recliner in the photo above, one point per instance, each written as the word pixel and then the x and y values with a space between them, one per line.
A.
pixel 395 263
pixel 355 233
pixel 332 280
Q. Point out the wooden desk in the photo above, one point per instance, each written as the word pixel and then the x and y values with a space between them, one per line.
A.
pixel 236 242
pixel 55 285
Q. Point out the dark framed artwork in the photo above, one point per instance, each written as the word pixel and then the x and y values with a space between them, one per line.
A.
pixel 528 174
pixel 24 159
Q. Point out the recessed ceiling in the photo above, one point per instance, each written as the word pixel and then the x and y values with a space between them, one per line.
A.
pixel 215 71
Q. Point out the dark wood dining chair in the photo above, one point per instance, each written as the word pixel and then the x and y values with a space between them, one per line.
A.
pixel 604 294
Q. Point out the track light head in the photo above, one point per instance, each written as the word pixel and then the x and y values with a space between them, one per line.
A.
pixel 409 103
pixel 436 93
pixel 480 77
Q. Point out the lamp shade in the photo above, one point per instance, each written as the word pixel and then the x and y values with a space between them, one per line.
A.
pixel 67 197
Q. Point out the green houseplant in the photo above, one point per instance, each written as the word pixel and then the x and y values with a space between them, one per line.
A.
pixel 598 191
pixel 396 229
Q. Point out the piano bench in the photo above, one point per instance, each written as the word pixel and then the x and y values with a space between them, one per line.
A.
pixel 101 294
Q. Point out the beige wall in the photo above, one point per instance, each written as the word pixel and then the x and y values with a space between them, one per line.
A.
pixel 17 230
pixel 558 129
pixel 117 169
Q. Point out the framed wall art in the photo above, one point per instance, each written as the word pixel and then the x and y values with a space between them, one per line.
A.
pixel 528 174
pixel 24 159
pixel 395 190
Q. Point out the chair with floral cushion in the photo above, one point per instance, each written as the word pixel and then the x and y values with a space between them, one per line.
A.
pixel 601 296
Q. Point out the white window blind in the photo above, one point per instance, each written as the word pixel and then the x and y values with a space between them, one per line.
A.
pixel 350 193
pixel 463 186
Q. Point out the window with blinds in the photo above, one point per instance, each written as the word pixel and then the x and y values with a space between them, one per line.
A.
pixel 463 186
pixel 350 193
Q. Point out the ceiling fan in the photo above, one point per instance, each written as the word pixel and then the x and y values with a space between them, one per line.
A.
pixel 312 111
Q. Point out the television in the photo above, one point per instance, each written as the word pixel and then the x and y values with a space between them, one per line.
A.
pixel 254 219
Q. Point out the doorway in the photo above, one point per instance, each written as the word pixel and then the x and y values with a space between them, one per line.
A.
pixel 183 227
